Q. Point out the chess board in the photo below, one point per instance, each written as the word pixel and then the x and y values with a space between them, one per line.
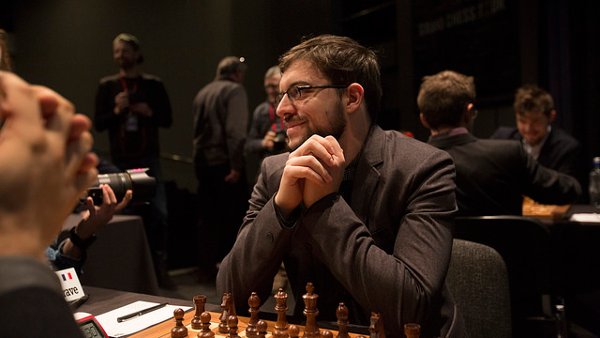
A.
pixel 163 329
pixel 543 211
pixel 205 324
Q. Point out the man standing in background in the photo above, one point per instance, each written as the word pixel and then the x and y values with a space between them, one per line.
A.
pixel 132 106
pixel 220 112
pixel 267 132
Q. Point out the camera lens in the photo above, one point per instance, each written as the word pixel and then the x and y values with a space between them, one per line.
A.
pixel 142 185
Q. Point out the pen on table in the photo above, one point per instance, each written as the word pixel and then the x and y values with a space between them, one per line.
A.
pixel 140 312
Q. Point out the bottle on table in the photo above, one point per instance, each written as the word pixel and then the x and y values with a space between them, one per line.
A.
pixel 594 187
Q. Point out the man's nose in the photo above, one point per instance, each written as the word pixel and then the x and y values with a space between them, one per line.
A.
pixel 285 106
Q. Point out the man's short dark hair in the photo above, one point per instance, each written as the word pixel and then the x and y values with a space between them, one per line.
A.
pixel 230 65
pixel 531 98
pixel 443 98
pixel 344 61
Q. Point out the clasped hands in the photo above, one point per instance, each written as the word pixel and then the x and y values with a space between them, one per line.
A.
pixel 45 164
pixel 312 171
pixel 139 108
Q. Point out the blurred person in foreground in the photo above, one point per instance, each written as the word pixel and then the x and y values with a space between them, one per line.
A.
pixel 70 247
pixel 492 176
pixel 132 106
pixel 362 213
pixel 45 166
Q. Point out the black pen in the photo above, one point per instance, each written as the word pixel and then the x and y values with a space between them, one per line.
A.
pixel 140 312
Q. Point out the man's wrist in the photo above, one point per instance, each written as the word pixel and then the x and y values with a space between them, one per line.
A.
pixel 82 244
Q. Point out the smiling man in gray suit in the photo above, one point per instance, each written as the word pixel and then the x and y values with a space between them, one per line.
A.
pixel 364 214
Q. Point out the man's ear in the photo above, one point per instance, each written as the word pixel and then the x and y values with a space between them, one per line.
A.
pixel 355 97
pixel 424 120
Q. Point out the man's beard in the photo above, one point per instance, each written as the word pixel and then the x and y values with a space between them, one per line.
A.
pixel 126 64
pixel 337 127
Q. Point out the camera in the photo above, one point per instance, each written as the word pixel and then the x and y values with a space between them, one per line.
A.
pixel 142 185
pixel 279 142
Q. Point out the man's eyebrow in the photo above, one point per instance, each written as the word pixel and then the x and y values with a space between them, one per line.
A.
pixel 297 83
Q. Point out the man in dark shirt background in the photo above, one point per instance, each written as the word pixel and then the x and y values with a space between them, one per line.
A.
pixel 132 106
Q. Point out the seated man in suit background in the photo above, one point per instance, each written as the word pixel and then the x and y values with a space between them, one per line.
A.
pixel 551 146
pixel 491 175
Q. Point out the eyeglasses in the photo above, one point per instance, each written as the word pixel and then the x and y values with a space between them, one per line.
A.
pixel 294 93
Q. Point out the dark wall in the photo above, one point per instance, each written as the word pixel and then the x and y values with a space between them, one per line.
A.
pixel 66 44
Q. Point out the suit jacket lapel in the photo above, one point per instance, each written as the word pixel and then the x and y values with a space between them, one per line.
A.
pixel 367 174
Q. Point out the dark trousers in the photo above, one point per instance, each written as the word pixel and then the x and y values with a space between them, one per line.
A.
pixel 221 211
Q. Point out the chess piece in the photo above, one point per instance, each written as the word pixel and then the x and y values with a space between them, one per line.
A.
pixel 205 331
pixel 179 331
pixel 226 311
pixel 376 328
pixel 253 303
pixel 281 325
pixel 341 314
pixel 326 334
pixel 261 327
pixel 232 322
pixel 293 331
pixel 310 311
pixel 412 330
pixel 199 302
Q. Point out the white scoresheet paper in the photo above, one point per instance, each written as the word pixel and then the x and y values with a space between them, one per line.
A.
pixel 113 328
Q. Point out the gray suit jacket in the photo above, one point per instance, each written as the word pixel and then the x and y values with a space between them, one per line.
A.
pixel 387 250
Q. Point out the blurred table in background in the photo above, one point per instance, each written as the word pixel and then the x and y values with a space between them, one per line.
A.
pixel 120 257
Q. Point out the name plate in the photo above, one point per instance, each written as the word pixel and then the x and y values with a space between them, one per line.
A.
pixel 70 284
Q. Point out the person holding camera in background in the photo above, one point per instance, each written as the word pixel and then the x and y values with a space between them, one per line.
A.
pixel 69 248
pixel 220 113
pixel 132 106
pixel 267 132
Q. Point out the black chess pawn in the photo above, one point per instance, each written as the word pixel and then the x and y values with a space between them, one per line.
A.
pixel 226 311
pixel 261 327
pixel 205 331
pixel 199 302
pixel 376 328
pixel 293 331
pixel 341 314
pixel 326 334
pixel 232 322
pixel 179 331
pixel 254 304
pixel 412 330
